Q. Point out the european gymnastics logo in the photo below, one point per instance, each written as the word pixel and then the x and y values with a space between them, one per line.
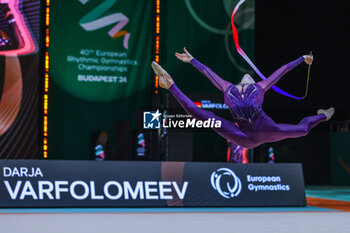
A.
pixel 223 187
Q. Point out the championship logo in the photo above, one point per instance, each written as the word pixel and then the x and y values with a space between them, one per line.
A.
pixel 96 19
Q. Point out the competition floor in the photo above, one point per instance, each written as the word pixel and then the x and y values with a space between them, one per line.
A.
pixel 328 210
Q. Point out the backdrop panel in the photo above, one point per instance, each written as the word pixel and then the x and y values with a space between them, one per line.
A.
pixel 100 55
pixel 204 28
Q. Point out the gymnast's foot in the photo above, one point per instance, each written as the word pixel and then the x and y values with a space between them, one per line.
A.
pixel 328 113
pixel 165 81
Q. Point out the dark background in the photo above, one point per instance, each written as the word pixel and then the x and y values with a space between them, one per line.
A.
pixel 285 30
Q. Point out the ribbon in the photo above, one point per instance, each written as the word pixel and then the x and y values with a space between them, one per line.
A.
pixel 244 55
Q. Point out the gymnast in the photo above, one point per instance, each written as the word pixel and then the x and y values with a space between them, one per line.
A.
pixel 245 103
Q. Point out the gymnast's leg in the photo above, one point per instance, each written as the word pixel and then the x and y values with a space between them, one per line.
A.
pixel 276 132
pixel 227 130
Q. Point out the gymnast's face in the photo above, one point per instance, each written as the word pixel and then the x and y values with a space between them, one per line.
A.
pixel 247 79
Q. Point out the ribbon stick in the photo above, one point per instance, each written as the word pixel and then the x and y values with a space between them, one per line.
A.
pixel 244 55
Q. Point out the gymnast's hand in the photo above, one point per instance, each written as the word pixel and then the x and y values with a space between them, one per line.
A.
pixel 308 59
pixel 185 57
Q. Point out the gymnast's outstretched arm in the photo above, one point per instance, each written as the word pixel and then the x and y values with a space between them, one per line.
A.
pixel 277 75
pixel 218 82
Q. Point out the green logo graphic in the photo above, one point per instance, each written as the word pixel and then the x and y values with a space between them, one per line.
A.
pixel 91 21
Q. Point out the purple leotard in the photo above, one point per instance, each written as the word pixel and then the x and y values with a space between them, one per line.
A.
pixel 254 126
